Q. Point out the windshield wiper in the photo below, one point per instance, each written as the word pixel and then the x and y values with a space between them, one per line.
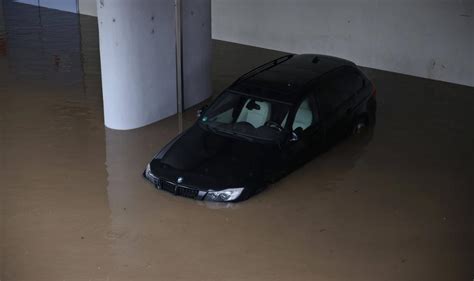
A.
pixel 220 131
pixel 237 134
pixel 213 129
pixel 207 126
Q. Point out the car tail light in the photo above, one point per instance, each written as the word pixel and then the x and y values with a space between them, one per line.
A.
pixel 374 90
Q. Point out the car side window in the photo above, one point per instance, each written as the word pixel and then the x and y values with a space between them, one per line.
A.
pixel 351 80
pixel 338 87
pixel 328 96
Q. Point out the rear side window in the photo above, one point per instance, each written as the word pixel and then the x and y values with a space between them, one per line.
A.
pixel 338 87
pixel 351 80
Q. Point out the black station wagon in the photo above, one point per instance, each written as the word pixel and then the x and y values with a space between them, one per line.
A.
pixel 269 122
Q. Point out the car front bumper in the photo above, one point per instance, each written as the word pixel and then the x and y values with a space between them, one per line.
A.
pixel 219 195
pixel 174 188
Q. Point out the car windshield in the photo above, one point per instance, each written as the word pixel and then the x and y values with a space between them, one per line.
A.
pixel 246 117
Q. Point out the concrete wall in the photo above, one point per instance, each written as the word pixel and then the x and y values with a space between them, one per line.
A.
pixel 34 50
pixel 62 5
pixel 3 39
pixel 88 7
pixel 85 7
pixel 426 38
pixel 138 59
pixel 138 81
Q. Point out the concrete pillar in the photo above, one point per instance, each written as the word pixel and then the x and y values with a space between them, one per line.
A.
pixel 138 59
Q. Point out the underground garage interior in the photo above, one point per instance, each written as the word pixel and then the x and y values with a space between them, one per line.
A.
pixel 202 97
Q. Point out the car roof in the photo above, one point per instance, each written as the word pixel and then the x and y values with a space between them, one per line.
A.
pixel 286 81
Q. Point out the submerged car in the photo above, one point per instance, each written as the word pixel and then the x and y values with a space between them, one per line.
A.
pixel 266 124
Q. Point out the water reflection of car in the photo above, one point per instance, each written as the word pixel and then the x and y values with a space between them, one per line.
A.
pixel 266 124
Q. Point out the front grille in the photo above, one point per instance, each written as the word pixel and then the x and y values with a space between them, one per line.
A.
pixel 187 192
pixel 179 190
pixel 168 186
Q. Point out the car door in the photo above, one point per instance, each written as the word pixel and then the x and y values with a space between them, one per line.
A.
pixel 359 85
pixel 337 102
pixel 350 85
pixel 307 122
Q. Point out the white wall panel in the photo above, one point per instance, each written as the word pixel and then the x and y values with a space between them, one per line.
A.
pixel 426 38
pixel 138 62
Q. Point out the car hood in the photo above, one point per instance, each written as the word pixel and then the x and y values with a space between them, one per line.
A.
pixel 206 160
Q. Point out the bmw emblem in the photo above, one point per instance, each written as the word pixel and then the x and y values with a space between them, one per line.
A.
pixel 179 180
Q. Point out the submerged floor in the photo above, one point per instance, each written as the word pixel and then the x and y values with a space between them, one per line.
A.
pixel 73 204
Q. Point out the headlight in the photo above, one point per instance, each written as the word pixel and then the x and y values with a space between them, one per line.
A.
pixel 148 172
pixel 149 175
pixel 224 195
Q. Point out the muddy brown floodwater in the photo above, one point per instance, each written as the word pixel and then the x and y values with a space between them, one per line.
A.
pixel 395 205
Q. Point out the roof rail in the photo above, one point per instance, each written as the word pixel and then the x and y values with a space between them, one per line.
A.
pixel 262 68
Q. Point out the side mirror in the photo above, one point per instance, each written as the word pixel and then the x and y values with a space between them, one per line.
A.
pixel 296 134
pixel 201 111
